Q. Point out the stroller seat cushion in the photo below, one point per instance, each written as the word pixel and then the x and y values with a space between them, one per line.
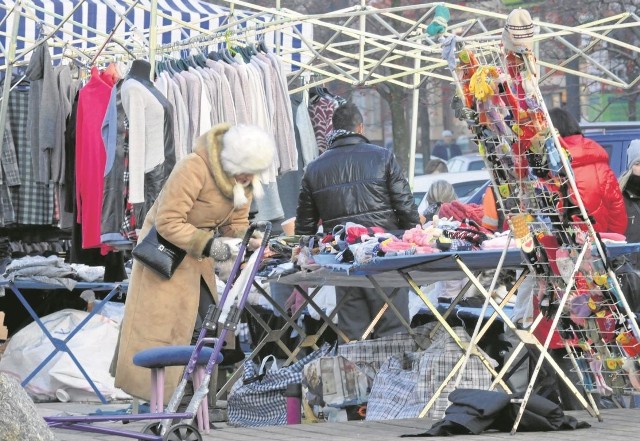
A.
pixel 162 356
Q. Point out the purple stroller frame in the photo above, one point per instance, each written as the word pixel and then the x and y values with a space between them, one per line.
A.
pixel 184 430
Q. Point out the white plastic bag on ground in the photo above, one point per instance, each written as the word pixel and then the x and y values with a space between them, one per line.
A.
pixel 93 346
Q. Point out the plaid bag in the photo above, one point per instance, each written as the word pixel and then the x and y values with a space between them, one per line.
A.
pixel 373 353
pixel 406 382
pixel 344 379
pixel 257 399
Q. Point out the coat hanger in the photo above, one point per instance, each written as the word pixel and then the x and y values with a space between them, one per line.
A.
pixel 200 59
pixel 182 63
pixel 225 55
pixel 246 56
pixel 262 47
pixel 252 49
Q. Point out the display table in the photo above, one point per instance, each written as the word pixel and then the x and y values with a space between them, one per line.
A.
pixel 61 345
pixel 412 271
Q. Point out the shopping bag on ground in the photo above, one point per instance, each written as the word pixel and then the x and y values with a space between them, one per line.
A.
pixel 406 382
pixel 257 398
pixel 375 352
pixel 336 382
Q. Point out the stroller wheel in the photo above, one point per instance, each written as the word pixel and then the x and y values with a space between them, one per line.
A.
pixel 183 432
pixel 152 428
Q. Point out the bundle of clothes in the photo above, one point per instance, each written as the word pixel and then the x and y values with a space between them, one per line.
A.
pixel 451 226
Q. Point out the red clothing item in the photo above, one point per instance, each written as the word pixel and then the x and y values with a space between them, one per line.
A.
pixel 91 157
pixel 597 184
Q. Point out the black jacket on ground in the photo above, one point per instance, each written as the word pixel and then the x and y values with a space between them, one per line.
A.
pixel 357 182
pixel 473 411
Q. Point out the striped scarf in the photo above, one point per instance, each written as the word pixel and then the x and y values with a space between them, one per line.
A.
pixel 335 134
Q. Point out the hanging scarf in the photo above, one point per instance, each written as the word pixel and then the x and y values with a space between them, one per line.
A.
pixel 335 134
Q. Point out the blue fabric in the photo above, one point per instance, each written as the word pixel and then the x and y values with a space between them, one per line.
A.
pixel 109 131
pixel 171 356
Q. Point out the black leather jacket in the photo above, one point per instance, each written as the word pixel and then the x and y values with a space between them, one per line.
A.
pixel 357 182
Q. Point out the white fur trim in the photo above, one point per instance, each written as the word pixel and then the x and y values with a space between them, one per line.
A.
pixel 239 198
pixel 246 149
pixel 258 191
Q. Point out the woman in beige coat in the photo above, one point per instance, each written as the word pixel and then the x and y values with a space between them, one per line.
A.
pixel 208 190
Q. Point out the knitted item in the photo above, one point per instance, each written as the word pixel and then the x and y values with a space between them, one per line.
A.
pixel 219 250
pixel 520 227
pixel 440 21
pixel 460 211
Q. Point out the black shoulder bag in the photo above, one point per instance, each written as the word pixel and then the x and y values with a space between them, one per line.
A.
pixel 158 254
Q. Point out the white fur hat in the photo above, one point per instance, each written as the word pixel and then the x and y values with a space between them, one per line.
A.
pixel 518 32
pixel 633 152
pixel 247 149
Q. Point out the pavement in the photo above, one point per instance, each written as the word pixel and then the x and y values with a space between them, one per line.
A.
pixel 616 424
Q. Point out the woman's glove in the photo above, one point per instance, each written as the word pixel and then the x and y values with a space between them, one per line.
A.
pixel 219 250
pixel 255 241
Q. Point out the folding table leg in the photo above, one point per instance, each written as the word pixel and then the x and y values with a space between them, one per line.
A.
pixel 61 345
pixel 270 335
pixel 543 348
pixel 484 328
pixel 448 328
pixel 276 334
pixel 321 313
pixel 388 304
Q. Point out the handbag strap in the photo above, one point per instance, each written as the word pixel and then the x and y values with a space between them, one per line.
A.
pixel 251 376
pixel 263 365
pixel 226 218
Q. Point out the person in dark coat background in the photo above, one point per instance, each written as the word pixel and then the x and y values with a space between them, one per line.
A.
pixel 446 148
pixel 355 181
pixel 630 186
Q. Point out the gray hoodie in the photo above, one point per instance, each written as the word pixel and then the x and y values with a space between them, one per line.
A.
pixel 43 110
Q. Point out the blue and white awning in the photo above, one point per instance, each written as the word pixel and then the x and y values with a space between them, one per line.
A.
pixel 90 24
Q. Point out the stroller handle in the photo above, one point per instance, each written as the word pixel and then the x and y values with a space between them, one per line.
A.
pixel 264 226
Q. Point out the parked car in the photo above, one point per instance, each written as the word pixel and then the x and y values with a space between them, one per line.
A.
pixel 615 138
pixel 471 161
pixel 464 184
pixel 419 164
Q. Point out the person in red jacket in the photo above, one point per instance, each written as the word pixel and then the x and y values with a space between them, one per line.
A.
pixel 596 182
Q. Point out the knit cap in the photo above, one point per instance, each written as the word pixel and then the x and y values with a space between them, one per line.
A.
pixel 518 32
pixel 633 153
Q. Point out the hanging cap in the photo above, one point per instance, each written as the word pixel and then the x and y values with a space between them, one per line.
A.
pixel 517 35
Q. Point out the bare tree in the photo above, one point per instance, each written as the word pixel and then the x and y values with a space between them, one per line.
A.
pixel 583 97
pixel 557 50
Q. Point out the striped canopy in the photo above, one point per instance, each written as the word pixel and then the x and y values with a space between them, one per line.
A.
pixel 89 24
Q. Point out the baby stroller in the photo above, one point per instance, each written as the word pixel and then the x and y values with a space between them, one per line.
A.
pixel 228 314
